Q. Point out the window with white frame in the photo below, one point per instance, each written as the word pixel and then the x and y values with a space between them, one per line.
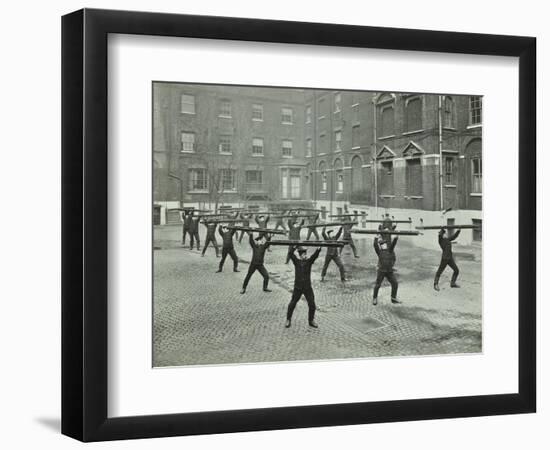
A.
pixel 475 110
pixel 308 114
pixel 355 114
pixel 448 112
pixel 187 142
pixel 309 147
pixel 286 115
pixel 257 147
pixel 413 114
pixel 225 108
pixel 287 148
pixel 476 175
pixel 450 170
pixel 258 112
pixel 338 141
pixel 254 177
pixel 227 178
pixel 340 181
pixel 321 113
pixel 337 102
pixel 198 180
pixel 387 121
pixel 225 144
pixel 355 142
pixel 187 104
pixel 295 183
pixel 284 183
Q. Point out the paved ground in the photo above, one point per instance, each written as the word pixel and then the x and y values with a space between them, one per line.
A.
pixel 200 317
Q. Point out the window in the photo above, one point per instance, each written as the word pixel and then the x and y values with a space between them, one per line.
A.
pixel 287 149
pixel 295 183
pixel 475 110
pixel 187 104
pixel 197 180
pixel 323 146
pixel 337 102
pixel 355 114
pixel 386 121
pixel 321 108
pixel 449 170
pixel 476 175
pixel 414 177
pixel 225 144
pixel 386 178
pixel 286 115
pixel 338 141
pixel 340 181
pixel 308 147
pixel 355 137
pixel 448 112
pixel 227 178
pixel 254 177
pixel 187 142
pixel 323 181
pixel 308 114
pixel 257 147
pixel 413 114
pixel 225 108
pixel 258 112
pixel 284 183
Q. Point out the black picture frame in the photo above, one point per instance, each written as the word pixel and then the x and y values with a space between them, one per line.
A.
pixel 84 224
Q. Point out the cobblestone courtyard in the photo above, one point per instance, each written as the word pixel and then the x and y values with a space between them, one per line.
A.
pixel 200 317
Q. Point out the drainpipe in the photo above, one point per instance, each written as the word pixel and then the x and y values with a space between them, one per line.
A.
pixel 375 160
pixel 440 126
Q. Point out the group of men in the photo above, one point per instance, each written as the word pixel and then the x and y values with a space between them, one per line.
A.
pixel 384 247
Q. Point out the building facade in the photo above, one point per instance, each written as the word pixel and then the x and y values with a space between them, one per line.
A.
pixel 413 155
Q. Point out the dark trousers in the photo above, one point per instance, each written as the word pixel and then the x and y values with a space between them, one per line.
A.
pixel 184 231
pixel 214 243
pixel 230 252
pixel 288 254
pixel 263 272
pixel 311 231
pixel 195 237
pixel 338 261
pixel 297 293
pixel 442 265
pixel 392 280
pixel 280 224
pixel 349 241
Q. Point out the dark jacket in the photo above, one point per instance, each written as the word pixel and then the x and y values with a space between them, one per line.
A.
pixel 246 219
pixel 210 229
pixel 302 269
pixel 313 220
pixel 294 233
pixel 386 258
pixel 258 251
pixel 446 244
pixel 227 237
pixel 347 231
pixel 332 251
pixel 194 224
pixel 187 218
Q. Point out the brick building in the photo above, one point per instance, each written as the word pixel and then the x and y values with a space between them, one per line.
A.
pixel 412 155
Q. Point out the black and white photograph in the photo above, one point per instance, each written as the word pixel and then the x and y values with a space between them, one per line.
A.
pixel 314 224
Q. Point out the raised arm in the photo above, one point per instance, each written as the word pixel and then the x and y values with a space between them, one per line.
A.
pixel 454 236
pixel 315 255
pixel 376 245
pixel 325 237
pixel 393 243
pixel 267 220
pixel 220 230
pixel 181 217
pixel 302 224
pixel 292 255
pixel 338 234
pixel 251 240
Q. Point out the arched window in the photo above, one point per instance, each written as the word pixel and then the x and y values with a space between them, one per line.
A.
pixel 356 175
pixel 323 176
pixel 339 174
pixel 413 115
pixel 386 115
pixel 473 155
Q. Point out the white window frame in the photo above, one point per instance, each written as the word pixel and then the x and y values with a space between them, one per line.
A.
pixel 286 147
pixel 187 103
pixel 187 133
pixel 191 176
pixel 337 103
pixel 233 180
pixel 479 100
pixel 255 108
pixel 309 112
pixel 284 113
pixel 475 177
pixel 221 112
pixel 220 144
pixel 254 142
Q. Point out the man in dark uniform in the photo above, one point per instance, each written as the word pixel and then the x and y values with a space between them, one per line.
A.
pixel 227 247
pixel 332 255
pixel 302 284
pixel 294 230
pixel 280 221
pixel 210 237
pixel 245 223
pixel 262 220
pixel 386 260
pixel 194 231
pixel 259 246
pixel 447 259
pixel 312 220
pixel 185 218
pixel 349 239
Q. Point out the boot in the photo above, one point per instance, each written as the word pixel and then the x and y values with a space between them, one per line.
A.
pixel 267 290
pixel 454 285
pixel 287 324
pixel 436 286
pixel 374 301
pixel 312 324
pixel 395 301
pixel 243 291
